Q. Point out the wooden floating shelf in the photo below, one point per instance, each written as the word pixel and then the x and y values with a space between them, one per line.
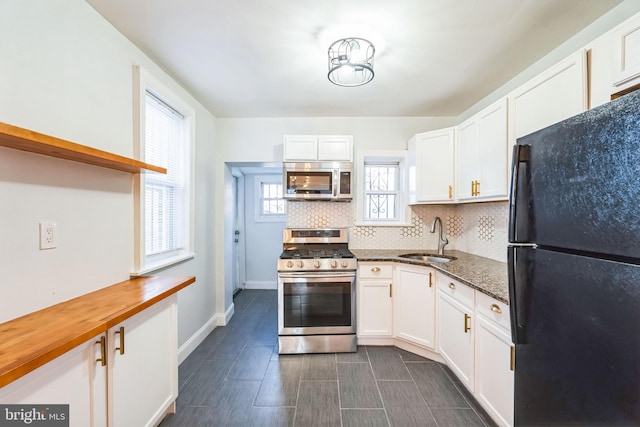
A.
pixel 34 142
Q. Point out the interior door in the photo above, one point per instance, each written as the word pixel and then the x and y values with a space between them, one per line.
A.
pixel 236 246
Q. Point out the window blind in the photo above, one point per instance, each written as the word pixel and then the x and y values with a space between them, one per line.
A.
pixel 164 194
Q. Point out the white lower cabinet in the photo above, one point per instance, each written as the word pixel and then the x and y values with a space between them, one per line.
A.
pixel 494 359
pixel 375 303
pixel 73 379
pixel 135 388
pixel 414 300
pixel 426 311
pixel 456 328
pixel 143 370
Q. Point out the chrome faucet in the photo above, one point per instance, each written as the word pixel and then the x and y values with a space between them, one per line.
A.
pixel 442 241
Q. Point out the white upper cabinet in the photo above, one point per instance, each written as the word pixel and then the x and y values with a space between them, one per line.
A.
pixel 481 155
pixel 625 54
pixel 431 166
pixel 554 95
pixel 468 165
pixel 318 148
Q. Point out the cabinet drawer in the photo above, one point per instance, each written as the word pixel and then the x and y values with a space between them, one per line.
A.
pixel 375 270
pixel 459 292
pixel 493 310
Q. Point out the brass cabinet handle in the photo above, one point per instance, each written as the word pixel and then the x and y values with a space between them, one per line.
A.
pixel 475 188
pixel 430 279
pixel 103 351
pixel 120 332
pixel 376 269
pixel 390 290
pixel 451 192
pixel 452 285
pixel 467 328
pixel 512 361
pixel 496 309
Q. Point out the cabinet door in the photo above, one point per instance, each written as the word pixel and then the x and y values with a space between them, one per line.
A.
pixel 143 374
pixel 375 308
pixel 434 165
pixel 468 163
pixel 335 148
pixel 300 147
pixel 625 58
pixel 555 95
pixel 493 152
pixel 455 323
pixel 75 378
pixel 415 306
pixel 494 374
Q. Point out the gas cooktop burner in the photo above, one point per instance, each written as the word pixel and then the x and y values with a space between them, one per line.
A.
pixel 318 250
pixel 316 253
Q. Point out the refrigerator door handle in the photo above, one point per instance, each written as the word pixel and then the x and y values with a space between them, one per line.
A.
pixel 520 156
pixel 517 270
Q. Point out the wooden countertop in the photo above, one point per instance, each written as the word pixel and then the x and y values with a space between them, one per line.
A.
pixel 30 341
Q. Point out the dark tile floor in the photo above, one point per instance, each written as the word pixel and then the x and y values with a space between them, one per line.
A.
pixel 236 378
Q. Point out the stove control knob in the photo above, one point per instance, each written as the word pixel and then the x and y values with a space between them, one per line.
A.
pixel 344 264
pixel 300 264
pixel 289 264
pixel 334 264
pixel 316 264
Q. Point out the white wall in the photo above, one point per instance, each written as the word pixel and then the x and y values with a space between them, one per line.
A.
pixel 67 72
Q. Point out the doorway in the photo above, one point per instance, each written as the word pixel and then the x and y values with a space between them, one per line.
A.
pixel 255 244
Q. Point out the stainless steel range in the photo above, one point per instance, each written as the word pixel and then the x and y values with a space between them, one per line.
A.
pixel 316 292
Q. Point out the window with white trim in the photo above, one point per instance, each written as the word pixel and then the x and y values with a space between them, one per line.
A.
pixel 164 203
pixel 270 203
pixel 380 197
pixel 381 181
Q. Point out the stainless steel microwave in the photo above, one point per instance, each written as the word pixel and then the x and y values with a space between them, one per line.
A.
pixel 330 181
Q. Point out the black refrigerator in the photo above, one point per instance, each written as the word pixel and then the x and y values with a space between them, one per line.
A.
pixel 574 269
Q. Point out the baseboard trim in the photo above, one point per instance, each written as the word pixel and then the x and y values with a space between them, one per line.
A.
pixel 222 319
pixel 196 339
pixel 415 349
pixel 260 285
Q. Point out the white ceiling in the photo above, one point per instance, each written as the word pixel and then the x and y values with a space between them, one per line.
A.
pixel 268 58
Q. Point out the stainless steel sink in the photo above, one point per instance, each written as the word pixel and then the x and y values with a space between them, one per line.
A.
pixel 428 257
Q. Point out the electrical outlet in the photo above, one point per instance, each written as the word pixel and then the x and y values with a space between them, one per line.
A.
pixel 47 235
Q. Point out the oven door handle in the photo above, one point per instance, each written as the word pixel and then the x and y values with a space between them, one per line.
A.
pixel 316 275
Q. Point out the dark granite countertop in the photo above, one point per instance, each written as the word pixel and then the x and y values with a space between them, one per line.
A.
pixel 484 274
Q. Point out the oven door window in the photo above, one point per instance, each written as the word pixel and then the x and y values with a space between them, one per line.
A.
pixel 309 182
pixel 317 304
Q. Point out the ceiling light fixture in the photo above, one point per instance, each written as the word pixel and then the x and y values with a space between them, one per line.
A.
pixel 351 62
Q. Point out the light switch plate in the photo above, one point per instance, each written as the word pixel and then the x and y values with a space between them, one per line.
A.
pixel 47 235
